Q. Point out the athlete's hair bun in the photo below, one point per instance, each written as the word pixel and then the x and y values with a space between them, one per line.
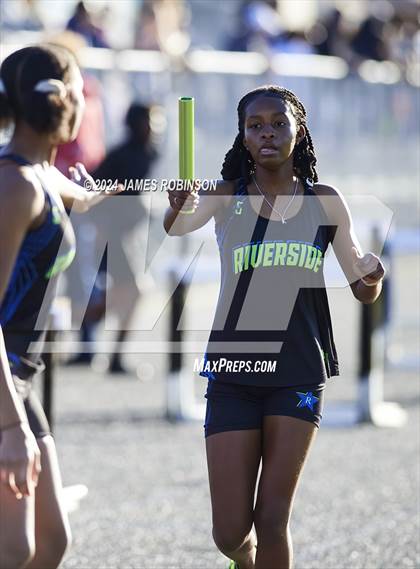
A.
pixel 43 110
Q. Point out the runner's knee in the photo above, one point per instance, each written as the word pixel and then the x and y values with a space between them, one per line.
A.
pixel 272 523
pixel 229 539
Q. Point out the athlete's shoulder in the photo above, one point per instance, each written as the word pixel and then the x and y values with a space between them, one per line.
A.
pixel 335 206
pixel 326 189
pixel 224 190
pixel 225 187
pixel 17 183
pixel 20 192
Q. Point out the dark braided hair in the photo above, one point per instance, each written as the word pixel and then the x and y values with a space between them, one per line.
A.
pixel 238 160
pixel 20 72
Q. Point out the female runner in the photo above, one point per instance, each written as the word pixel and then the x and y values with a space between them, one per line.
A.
pixel 273 223
pixel 41 94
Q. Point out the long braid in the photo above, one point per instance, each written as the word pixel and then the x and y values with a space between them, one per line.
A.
pixel 233 162
pixel 238 161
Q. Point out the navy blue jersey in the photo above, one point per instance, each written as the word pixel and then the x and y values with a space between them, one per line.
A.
pixel 44 253
pixel 272 305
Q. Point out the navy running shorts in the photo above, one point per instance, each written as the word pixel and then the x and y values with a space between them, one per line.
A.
pixel 231 406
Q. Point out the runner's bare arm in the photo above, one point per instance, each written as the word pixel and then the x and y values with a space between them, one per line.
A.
pixel 209 204
pixel 80 193
pixel 348 249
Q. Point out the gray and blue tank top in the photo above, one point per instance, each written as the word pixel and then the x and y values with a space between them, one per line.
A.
pixel 272 303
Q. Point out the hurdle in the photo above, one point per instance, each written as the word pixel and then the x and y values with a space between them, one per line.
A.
pixel 374 319
pixel 59 319
pixel 370 406
pixel 405 241
pixel 180 400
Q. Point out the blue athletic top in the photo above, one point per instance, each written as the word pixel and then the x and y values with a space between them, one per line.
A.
pixel 272 305
pixel 45 252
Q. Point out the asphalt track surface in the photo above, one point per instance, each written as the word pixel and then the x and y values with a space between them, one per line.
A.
pixel 148 505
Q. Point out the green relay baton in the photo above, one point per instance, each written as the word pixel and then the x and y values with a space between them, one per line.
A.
pixel 186 140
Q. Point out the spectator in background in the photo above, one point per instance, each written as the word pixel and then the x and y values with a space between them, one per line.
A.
pixel 260 29
pixel 82 23
pixel 327 33
pixel 163 25
pixel 89 149
pixel 263 21
pixel 146 32
pixel 130 161
pixel 292 42
pixel 388 33
pixel 89 145
pixel 369 41
pixel 404 41
pixel 331 36
pixel 20 15
pixel 241 34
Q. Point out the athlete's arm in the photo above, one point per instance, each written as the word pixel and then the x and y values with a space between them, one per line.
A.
pixel 20 458
pixel 208 205
pixel 80 193
pixel 19 452
pixel 347 247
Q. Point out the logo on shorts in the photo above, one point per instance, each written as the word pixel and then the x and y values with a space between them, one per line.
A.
pixel 307 399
